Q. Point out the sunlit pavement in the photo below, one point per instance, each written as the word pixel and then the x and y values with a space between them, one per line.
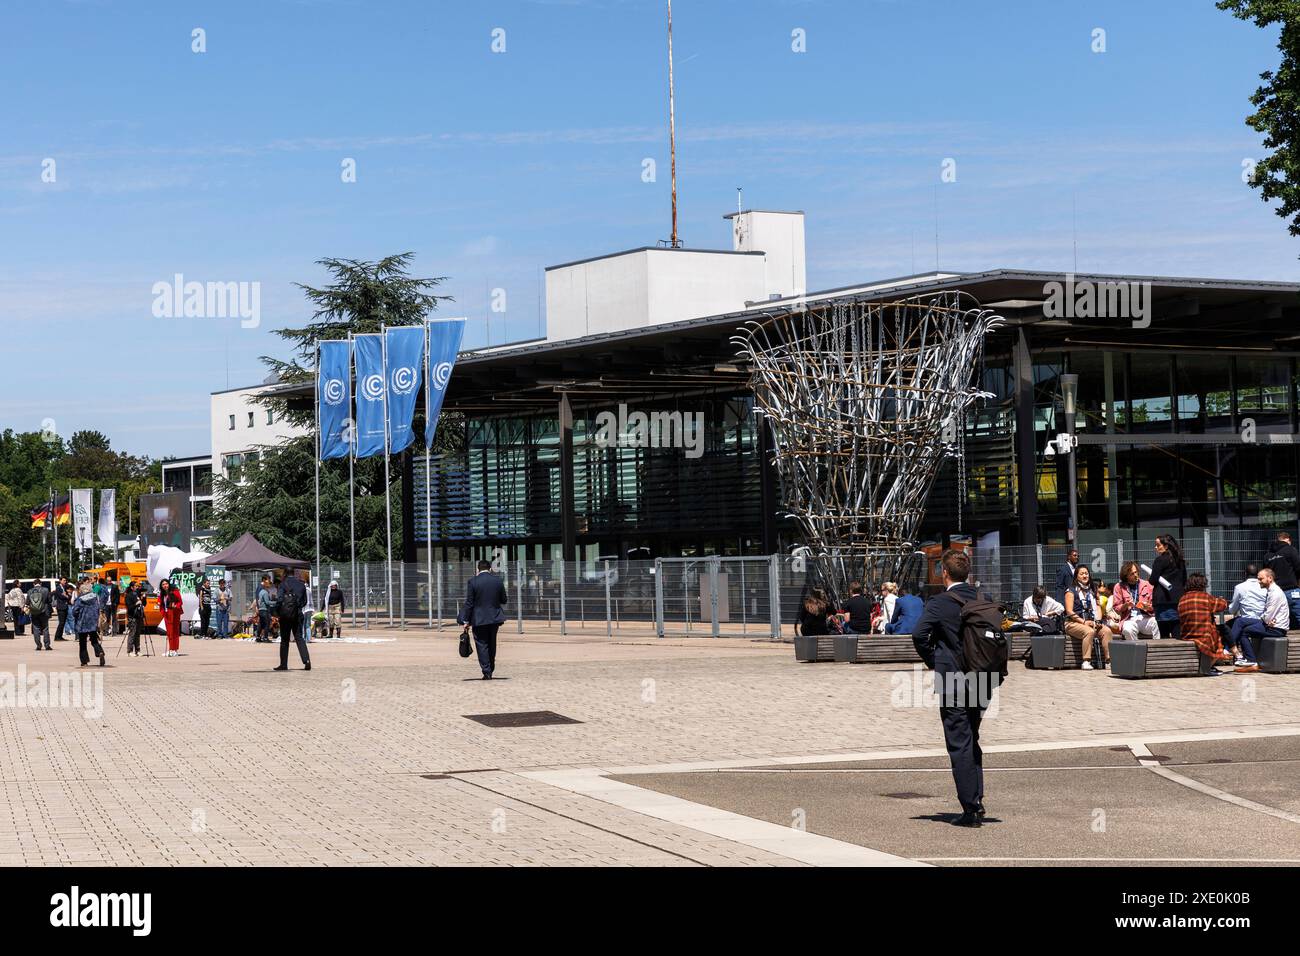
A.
pixel 212 758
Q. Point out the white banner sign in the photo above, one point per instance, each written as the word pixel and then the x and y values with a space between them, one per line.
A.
pixel 82 502
pixel 108 517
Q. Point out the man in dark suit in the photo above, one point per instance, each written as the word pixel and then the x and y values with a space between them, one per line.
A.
pixel 293 601
pixel 484 612
pixel 1065 575
pixel 937 637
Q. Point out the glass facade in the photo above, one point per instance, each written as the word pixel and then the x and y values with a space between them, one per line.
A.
pixel 677 475
pixel 1201 440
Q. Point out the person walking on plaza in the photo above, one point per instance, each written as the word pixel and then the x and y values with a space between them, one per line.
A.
pixel 1168 578
pixel 1083 619
pixel 1065 574
pixel 172 604
pixel 134 617
pixel 484 612
pixel 15 601
pixel 63 595
pixel 937 638
pixel 1133 604
pixel 334 607
pixel 290 610
pixel 85 621
pixel 221 609
pixel 39 606
pixel 1272 622
pixel 1196 610
pixel 1284 561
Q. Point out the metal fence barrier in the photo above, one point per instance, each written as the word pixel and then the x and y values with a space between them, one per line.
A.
pixel 717 596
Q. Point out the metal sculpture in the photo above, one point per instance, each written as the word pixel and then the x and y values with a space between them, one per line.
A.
pixel 865 400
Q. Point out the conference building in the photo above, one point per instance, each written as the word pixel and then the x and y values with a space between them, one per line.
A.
pixel 630 431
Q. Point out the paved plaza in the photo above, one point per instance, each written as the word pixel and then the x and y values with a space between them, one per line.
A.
pixel 680 752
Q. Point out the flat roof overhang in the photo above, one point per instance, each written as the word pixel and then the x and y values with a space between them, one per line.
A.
pixel 1188 314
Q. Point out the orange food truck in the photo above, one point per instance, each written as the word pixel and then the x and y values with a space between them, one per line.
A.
pixel 128 571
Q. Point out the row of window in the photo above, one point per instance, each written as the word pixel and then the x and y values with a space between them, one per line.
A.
pixel 270 419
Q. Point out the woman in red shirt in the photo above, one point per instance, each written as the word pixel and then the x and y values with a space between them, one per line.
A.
pixel 169 599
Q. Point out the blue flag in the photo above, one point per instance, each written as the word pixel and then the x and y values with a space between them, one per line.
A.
pixel 334 395
pixel 444 344
pixel 370 395
pixel 405 363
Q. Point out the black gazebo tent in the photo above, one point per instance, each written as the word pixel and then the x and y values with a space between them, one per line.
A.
pixel 248 554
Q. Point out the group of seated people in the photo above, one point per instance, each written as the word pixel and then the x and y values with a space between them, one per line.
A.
pixel 1135 609
pixel 894 609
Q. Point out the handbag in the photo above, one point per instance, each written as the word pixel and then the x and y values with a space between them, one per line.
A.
pixel 465 650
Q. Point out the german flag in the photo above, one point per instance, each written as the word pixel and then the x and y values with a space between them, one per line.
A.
pixel 45 515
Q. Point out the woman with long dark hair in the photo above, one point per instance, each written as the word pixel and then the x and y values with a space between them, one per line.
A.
pixel 1168 581
pixel 169 600
pixel 811 619
pixel 1084 620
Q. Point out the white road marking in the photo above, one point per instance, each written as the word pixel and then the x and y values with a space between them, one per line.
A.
pixel 1102 740
pixel 789 842
pixel 1143 753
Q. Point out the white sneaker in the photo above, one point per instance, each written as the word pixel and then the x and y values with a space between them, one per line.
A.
pixel 1087 665
pixel 1240 661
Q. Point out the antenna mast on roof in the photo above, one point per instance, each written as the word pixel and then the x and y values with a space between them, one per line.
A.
pixel 674 242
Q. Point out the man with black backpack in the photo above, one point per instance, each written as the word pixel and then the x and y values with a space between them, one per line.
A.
pixel 959 636
pixel 39 604
pixel 289 609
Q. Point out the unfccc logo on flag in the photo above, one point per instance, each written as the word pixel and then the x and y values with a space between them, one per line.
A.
pixel 333 391
pixel 373 387
pixel 403 380
pixel 441 373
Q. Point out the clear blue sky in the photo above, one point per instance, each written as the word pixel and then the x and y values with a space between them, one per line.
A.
pixel 225 166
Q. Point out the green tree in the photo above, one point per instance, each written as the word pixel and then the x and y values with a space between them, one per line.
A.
pixel 1277 106
pixel 26 459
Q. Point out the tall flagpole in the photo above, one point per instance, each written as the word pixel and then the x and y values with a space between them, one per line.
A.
pixel 72 538
pixel 352 505
pixel 388 498
pixel 316 584
pixel 54 506
pixel 428 476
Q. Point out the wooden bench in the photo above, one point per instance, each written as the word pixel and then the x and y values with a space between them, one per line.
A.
pixel 1020 642
pixel 820 648
pixel 1280 655
pixel 1057 651
pixel 876 649
pixel 1156 658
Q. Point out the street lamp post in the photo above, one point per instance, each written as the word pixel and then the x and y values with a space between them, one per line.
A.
pixel 1069 392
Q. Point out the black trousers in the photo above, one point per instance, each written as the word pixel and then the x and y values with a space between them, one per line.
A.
pixel 205 615
pixel 93 637
pixel 961 735
pixel 58 631
pixel 291 629
pixel 134 624
pixel 485 642
pixel 41 628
